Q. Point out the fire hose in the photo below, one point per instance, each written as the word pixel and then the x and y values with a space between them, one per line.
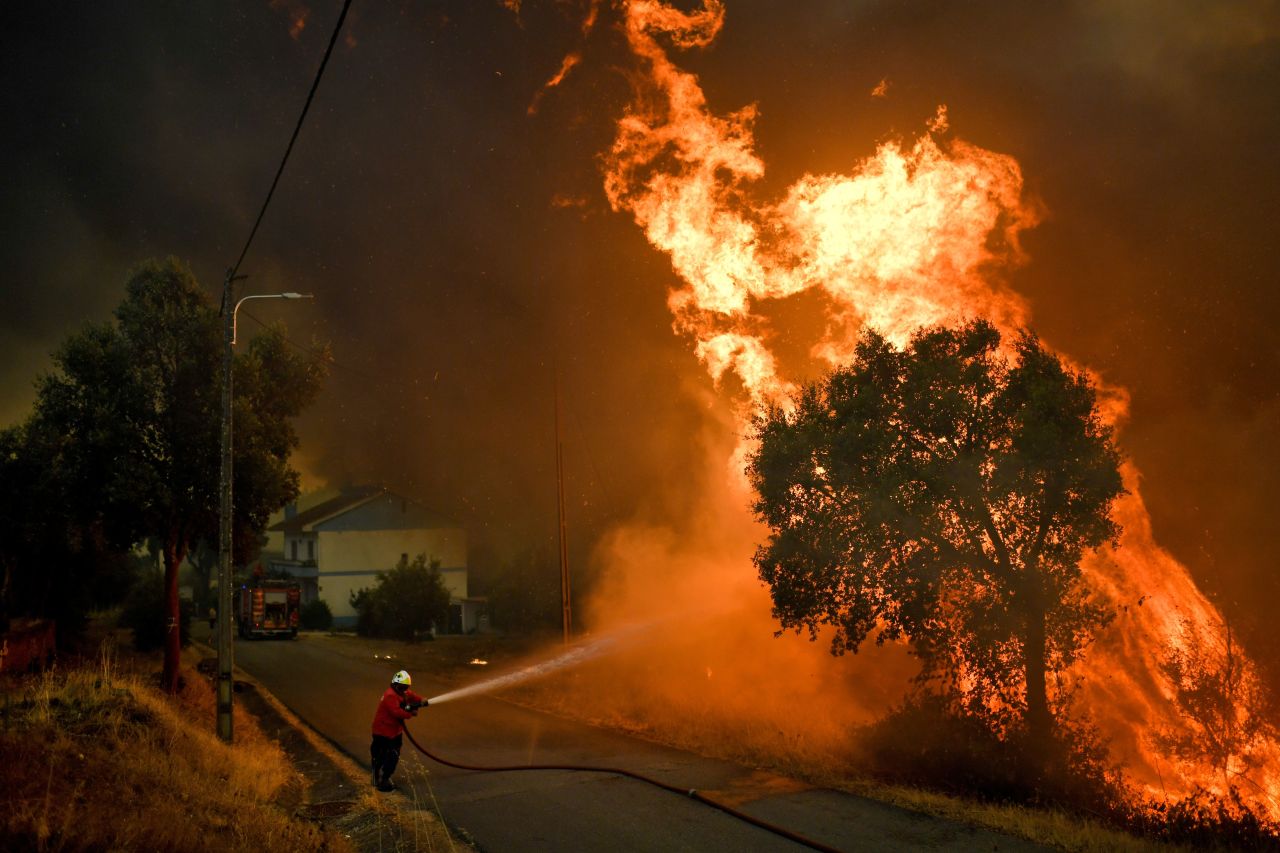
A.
pixel 691 793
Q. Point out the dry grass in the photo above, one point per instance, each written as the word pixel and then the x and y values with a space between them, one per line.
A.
pixel 396 825
pixel 94 757
pixel 1054 828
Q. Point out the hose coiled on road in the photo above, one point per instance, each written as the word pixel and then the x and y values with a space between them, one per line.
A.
pixel 691 793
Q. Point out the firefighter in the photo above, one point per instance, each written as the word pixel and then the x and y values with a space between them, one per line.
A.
pixel 398 704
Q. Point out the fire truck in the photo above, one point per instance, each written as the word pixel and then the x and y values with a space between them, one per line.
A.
pixel 28 646
pixel 267 608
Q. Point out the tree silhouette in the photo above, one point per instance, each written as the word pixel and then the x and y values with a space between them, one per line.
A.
pixel 1229 711
pixel 134 407
pixel 943 493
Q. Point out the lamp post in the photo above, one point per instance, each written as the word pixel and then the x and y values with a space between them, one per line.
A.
pixel 224 530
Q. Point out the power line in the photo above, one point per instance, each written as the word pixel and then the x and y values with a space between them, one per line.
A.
pixel 315 84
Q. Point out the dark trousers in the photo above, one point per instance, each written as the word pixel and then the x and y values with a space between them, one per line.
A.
pixel 385 752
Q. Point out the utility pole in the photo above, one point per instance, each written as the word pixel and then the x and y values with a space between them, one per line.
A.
pixel 225 580
pixel 229 308
pixel 225 664
pixel 565 596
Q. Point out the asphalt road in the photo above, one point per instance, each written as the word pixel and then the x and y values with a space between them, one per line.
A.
pixel 335 689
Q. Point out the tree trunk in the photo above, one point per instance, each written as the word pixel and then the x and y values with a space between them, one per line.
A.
pixel 4 596
pixel 173 556
pixel 204 566
pixel 1038 721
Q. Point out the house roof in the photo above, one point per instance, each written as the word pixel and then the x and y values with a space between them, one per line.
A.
pixel 346 501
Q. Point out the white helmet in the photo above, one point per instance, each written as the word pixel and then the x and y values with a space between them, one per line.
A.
pixel 402 677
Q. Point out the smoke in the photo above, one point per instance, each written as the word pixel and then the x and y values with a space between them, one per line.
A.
pixel 462 251
pixel 713 675
pixel 906 240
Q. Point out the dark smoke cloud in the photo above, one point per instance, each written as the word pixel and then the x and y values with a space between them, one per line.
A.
pixel 430 214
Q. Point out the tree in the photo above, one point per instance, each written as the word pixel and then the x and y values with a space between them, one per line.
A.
pixel 16 476
pixel 526 596
pixel 1228 710
pixel 20 476
pixel 143 613
pixel 55 560
pixel 203 560
pixel 135 405
pixel 404 602
pixel 945 493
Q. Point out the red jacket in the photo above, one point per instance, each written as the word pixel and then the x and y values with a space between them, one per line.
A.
pixel 389 719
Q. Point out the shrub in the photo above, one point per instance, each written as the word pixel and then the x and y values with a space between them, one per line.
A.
pixel 1207 821
pixel 930 742
pixel 144 614
pixel 316 616
pixel 406 601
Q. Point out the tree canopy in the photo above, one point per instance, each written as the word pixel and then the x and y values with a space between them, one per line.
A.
pixel 944 493
pixel 126 427
pixel 525 597
pixel 406 601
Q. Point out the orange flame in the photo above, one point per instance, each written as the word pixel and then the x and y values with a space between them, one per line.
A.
pixel 571 59
pixel 298 12
pixel 914 235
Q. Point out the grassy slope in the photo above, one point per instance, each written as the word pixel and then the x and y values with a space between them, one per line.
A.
pixel 93 757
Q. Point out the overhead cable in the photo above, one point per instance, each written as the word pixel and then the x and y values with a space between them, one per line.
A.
pixel 315 84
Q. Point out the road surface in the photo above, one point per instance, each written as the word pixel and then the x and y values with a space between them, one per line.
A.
pixel 335 687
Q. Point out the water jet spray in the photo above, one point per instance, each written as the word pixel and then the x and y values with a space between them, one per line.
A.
pixel 572 657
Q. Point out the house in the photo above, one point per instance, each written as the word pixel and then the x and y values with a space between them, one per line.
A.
pixel 339 545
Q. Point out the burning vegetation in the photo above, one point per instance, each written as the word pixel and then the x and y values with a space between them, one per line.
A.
pixel 1111 658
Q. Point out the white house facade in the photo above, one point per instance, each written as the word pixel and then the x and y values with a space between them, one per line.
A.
pixel 338 546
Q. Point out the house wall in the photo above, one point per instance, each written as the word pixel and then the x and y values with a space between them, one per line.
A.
pixel 275 545
pixel 300 547
pixel 349 559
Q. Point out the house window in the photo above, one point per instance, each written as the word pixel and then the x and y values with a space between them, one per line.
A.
pixel 293 549
pixel 311 549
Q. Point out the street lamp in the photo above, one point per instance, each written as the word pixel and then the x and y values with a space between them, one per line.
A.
pixel 224 533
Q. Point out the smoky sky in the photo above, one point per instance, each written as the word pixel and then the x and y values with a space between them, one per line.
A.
pixel 463 255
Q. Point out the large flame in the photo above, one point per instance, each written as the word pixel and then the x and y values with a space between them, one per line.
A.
pixel 912 236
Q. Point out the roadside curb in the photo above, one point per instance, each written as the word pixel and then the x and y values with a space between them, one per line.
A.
pixel 339 757
pixel 355 792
